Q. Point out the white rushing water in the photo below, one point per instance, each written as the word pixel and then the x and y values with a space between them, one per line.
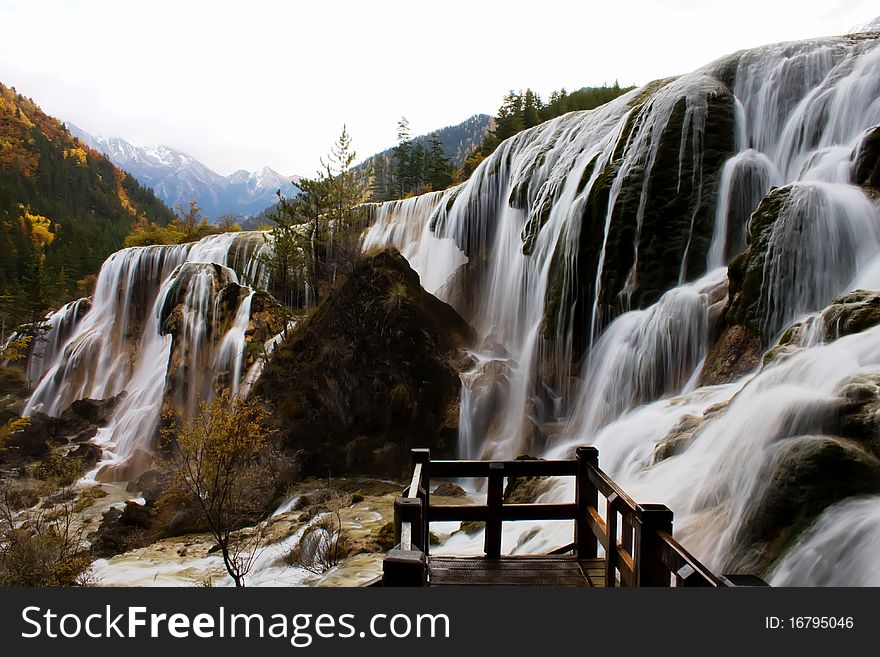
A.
pixel 120 345
pixel 800 111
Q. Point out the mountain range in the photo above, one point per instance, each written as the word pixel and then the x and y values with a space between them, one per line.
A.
pixel 178 178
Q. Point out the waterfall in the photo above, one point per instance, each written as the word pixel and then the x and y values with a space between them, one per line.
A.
pixel 95 361
pixel 401 224
pixel 825 235
pixel 56 327
pixel 745 180
pixel 594 250
pixel 164 320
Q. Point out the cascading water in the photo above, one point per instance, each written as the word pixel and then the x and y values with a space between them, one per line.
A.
pixel 49 339
pixel 163 320
pixel 579 236
pixel 401 224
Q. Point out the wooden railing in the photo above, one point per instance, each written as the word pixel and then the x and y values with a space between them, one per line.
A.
pixel 637 538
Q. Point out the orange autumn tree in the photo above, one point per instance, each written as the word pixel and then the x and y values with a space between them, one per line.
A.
pixel 221 458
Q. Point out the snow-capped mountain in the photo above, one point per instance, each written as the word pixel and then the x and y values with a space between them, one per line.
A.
pixel 870 26
pixel 178 178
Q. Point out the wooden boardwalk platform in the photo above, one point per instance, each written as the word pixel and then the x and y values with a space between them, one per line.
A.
pixel 636 539
pixel 516 571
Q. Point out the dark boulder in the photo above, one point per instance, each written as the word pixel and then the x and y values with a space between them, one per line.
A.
pixel 866 160
pixel 122 530
pixel 377 364
pixel 151 484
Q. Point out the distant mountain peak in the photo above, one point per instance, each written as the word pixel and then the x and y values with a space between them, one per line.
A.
pixel 177 177
pixel 870 26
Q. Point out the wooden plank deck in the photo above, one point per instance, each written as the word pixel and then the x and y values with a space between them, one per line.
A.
pixel 516 571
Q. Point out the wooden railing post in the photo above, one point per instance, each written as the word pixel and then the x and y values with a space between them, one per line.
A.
pixel 405 568
pixel 647 554
pixel 494 500
pixel 408 512
pixel 423 456
pixel 586 496
pixel 611 540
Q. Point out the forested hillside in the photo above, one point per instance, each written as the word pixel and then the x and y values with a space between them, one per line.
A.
pixel 521 110
pixel 63 209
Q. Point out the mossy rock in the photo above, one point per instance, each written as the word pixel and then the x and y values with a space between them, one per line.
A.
pixel 665 215
pixel 804 476
pixel 374 366
pixel 678 439
pixel 448 489
pixel 385 536
pixel 746 272
pixel 472 527
pixel 858 415
pixel 523 490
pixel 850 313
pixel 683 434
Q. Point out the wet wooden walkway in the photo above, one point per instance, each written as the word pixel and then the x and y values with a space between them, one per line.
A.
pixel 636 539
pixel 516 571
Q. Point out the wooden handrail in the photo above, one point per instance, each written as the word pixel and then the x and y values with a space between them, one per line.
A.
pixel 686 570
pixel 522 468
pixel 639 547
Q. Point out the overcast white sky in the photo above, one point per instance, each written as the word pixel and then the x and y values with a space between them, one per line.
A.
pixel 246 84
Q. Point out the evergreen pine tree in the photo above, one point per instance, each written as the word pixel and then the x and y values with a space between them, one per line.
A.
pixel 439 169
pixel 403 157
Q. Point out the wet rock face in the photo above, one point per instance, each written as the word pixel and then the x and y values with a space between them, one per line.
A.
pixel 736 353
pixel 850 313
pixel 266 322
pixel 41 434
pixel 746 272
pixel 805 476
pixel 376 365
pixel 866 160
pixel 741 333
pixel 671 225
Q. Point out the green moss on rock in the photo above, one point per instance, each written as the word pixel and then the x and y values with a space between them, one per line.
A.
pixel 806 475
pixel 746 271
pixel 666 211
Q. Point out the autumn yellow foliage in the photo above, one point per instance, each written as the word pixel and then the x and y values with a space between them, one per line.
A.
pixel 78 154
pixel 16 349
pixel 220 458
pixel 39 227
